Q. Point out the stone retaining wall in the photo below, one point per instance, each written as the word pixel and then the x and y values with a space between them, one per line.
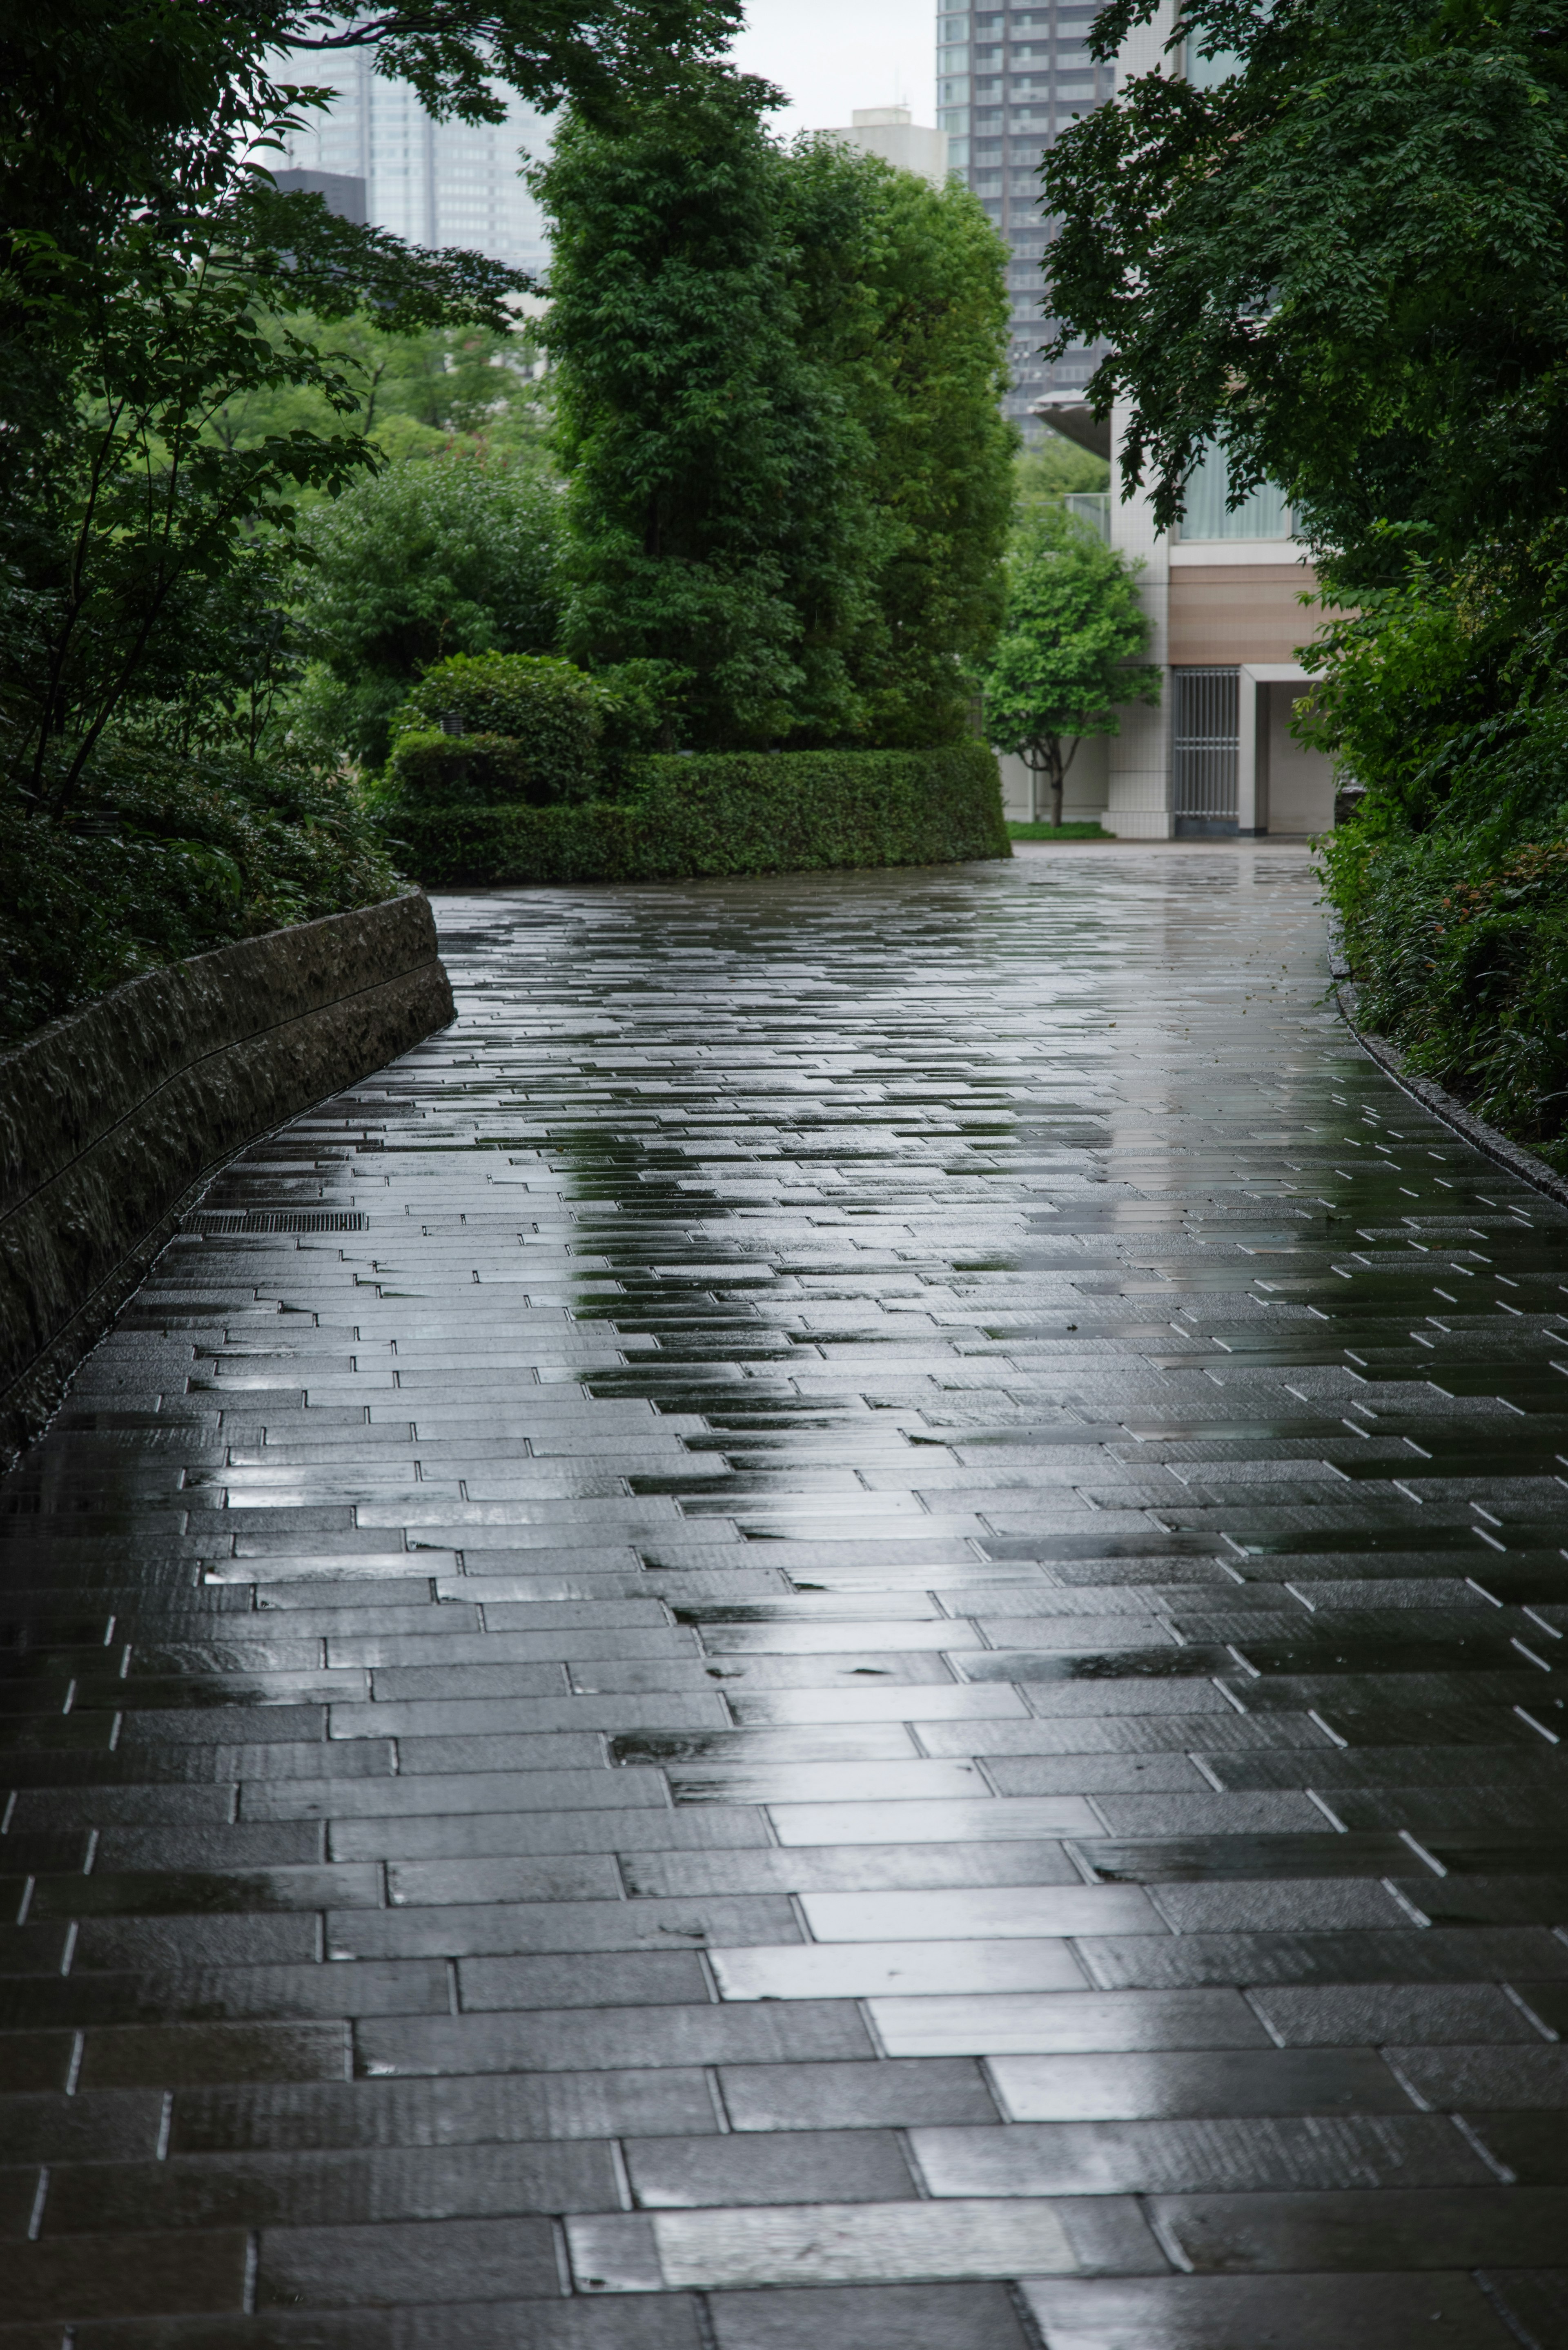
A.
pixel 113 1119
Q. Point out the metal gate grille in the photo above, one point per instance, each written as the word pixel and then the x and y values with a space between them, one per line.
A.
pixel 1205 741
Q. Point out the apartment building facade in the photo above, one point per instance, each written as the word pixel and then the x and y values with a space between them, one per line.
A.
pixel 1226 625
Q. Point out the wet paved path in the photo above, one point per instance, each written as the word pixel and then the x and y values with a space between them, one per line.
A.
pixel 842 1633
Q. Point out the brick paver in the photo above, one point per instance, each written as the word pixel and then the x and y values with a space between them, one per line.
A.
pixel 840 1633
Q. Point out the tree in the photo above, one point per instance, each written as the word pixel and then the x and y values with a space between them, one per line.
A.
pixel 701 446
pixel 777 378
pixel 1056 469
pixel 1348 262
pixel 902 297
pixel 134 510
pixel 150 278
pixel 433 556
pixel 1067 656
pixel 473 386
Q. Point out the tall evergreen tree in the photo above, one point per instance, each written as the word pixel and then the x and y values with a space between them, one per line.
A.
pixel 902 295
pixel 777 377
pixel 704 446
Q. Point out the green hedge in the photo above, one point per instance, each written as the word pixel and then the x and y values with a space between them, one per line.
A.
pixel 437 773
pixel 734 812
pixel 1470 977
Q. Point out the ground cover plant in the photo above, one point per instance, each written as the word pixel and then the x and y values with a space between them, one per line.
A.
pixel 1340 252
pixel 1073 829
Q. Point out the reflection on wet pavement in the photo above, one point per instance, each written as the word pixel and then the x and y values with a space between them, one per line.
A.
pixel 842 1630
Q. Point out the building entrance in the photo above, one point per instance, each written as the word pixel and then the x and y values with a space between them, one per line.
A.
pixel 1205 744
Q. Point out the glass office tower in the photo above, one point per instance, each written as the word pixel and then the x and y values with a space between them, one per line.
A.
pixel 1008 81
pixel 435 184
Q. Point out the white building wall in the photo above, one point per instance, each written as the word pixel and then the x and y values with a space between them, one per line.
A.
pixel 1082 800
pixel 1300 781
pixel 891 132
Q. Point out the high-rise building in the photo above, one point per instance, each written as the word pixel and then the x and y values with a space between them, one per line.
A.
pixel 1009 81
pixel 435 184
pixel 892 132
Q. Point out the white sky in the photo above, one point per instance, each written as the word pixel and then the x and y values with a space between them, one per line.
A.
pixel 832 55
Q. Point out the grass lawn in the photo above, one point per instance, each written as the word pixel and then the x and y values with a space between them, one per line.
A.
pixel 1051 832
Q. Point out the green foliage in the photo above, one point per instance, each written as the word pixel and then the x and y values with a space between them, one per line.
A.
pixel 1451 882
pixel 903 299
pixel 429 770
pixel 550 706
pixel 168 856
pixel 1348 260
pixel 698 438
pixel 1059 832
pixel 1068 653
pixel 531 731
pixel 169 407
pixel 132 521
pixel 1054 469
pixel 1471 978
pixel 419 394
pixel 777 376
pixel 434 557
pixel 1348 263
pixel 757 812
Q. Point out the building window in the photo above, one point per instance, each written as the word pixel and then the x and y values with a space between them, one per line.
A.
pixel 1208 73
pixel 1207 515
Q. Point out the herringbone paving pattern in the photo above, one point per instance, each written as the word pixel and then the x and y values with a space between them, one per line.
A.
pixel 841 1632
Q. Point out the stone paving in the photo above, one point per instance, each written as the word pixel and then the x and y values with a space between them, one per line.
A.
pixel 842 1630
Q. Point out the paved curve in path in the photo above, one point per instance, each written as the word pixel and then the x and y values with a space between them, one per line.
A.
pixel 842 1632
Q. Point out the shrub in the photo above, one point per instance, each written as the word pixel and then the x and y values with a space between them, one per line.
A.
pixel 727 812
pixel 441 771
pixel 539 722
pixel 1470 977
pixel 434 556
pixel 165 857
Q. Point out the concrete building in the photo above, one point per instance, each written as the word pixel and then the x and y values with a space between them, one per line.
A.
pixel 1222 592
pixel 892 132
pixel 1008 80
pixel 343 193
pixel 435 184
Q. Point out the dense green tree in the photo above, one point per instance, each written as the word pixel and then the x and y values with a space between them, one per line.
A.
pixel 152 279
pixel 1067 659
pixel 1348 261
pixel 472 386
pixel 1056 468
pixel 777 378
pixel 902 298
pixel 433 556
pixel 704 449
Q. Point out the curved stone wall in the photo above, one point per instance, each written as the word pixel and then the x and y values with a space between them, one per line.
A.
pixel 113 1118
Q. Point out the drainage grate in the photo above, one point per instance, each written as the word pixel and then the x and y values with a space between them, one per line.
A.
pixel 277 1220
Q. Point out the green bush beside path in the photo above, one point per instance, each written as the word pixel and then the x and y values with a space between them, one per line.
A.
pixel 725 813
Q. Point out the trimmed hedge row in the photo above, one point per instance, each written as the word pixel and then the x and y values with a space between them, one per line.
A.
pixel 726 813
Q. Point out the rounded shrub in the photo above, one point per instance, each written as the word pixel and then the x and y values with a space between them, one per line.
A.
pixel 538 723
